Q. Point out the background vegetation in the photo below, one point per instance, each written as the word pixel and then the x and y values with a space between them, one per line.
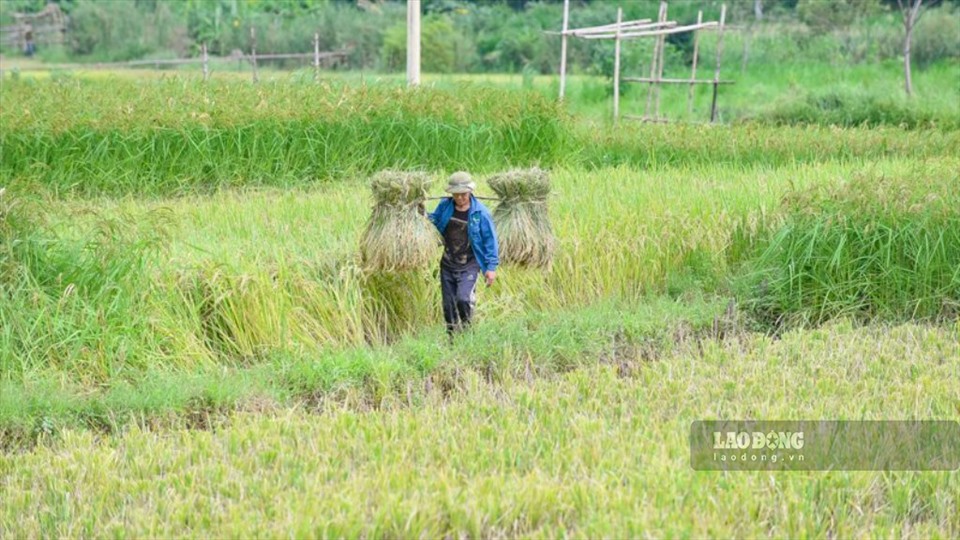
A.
pixel 487 36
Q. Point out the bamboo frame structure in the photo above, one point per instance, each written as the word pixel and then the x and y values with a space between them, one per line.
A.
pixel 326 56
pixel 47 27
pixel 643 28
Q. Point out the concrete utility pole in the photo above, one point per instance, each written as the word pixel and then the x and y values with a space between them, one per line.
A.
pixel 413 42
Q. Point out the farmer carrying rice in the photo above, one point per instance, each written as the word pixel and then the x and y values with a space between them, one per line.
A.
pixel 469 249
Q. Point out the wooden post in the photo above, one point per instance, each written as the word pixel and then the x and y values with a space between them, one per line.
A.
pixel 253 53
pixel 563 48
pixel 206 60
pixel 747 36
pixel 616 70
pixel 316 57
pixel 716 73
pixel 662 39
pixel 413 42
pixel 693 69
pixel 21 33
pixel 661 17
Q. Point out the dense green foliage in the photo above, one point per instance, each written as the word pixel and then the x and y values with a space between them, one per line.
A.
pixel 875 246
pixel 179 136
pixel 491 36
pixel 70 299
pixel 846 107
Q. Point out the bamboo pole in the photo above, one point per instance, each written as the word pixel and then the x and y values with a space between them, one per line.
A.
pixel 316 57
pixel 662 39
pixel 206 62
pixel 747 37
pixel 646 119
pixel 563 48
pixel 253 53
pixel 716 73
pixel 667 28
pixel 602 28
pixel 673 81
pixel 616 70
pixel 661 17
pixel 693 69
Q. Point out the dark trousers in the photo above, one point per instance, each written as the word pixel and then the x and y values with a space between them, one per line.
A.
pixel 458 288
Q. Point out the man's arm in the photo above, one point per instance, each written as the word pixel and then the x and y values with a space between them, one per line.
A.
pixel 434 216
pixel 491 249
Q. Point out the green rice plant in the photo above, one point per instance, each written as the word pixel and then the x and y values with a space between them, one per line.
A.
pixel 875 246
pixel 751 145
pixel 522 218
pixel 176 136
pixel 851 108
pixel 399 355
pixel 235 286
pixel 397 237
pixel 398 303
pixel 77 303
pixel 179 136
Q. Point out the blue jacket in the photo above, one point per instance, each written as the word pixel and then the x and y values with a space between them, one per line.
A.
pixel 480 230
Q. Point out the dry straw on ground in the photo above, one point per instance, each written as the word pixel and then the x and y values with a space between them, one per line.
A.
pixel 523 224
pixel 398 237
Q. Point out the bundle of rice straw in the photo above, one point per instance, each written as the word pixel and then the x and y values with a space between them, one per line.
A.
pixel 397 237
pixel 523 225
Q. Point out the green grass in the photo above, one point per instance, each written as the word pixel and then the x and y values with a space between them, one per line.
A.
pixel 877 245
pixel 874 91
pixel 752 145
pixel 855 107
pixel 189 347
pixel 180 136
pixel 231 278
pixel 530 345
pixel 88 138
pixel 246 273
pixel 589 454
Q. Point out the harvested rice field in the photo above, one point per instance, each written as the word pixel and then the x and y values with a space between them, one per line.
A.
pixel 208 326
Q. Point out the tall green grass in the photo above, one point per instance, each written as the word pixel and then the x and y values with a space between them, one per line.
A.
pixel 875 245
pixel 531 345
pixel 754 145
pixel 244 274
pixel 79 303
pixel 175 136
pixel 854 107
pixel 240 276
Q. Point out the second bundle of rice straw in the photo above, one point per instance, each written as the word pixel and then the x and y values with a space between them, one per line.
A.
pixel 523 224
